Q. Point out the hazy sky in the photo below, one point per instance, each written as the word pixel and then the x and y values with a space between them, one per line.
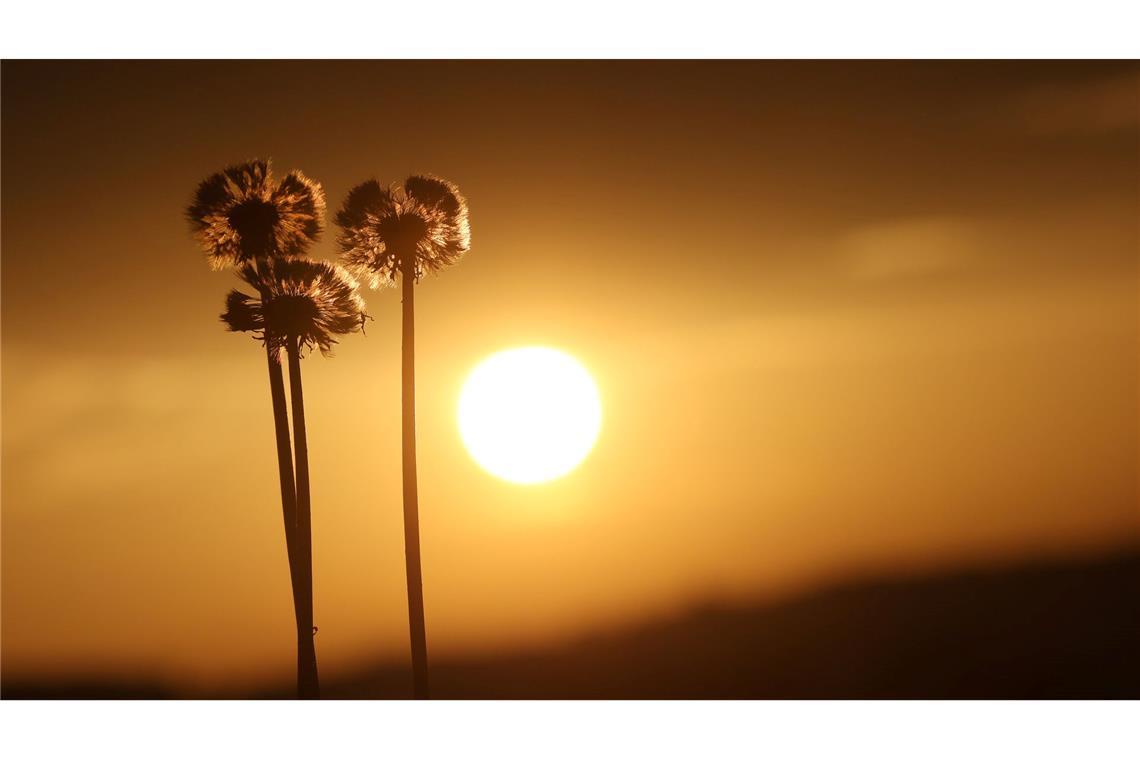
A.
pixel 844 317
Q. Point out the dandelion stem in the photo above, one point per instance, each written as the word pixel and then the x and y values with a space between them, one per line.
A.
pixel 308 682
pixel 411 496
pixel 288 487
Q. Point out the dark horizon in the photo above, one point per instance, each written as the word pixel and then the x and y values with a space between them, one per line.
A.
pixel 1037 629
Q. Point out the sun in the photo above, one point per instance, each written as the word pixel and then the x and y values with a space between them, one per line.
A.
pixel 529 415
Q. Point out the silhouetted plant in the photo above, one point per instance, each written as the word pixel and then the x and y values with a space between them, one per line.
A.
pixel 242 216
pixel 406 232
pixel 300 304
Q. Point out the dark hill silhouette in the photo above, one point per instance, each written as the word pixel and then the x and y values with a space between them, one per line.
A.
pixel 1047 630
pixel 1052 630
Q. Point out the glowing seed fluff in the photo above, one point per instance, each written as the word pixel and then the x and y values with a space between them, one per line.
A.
pixel 423 223
pixel 243 213
pixel 296 298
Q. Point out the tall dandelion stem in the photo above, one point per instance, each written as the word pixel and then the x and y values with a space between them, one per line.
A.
pixel 285 472
pixel 411 494
pixel 308 684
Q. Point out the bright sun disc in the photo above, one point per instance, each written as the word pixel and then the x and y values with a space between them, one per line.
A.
pixel 529 415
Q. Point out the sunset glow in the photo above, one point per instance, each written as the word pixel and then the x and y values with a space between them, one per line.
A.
pixel 854 326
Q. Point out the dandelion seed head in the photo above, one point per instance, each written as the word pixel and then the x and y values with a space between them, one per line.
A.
pixel 297 299
pixel 419 227
pixel 243 214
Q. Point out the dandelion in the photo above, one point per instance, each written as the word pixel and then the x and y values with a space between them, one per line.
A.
pixel 405 232
pixel 300 305
pixel 420 228
pixel 241 216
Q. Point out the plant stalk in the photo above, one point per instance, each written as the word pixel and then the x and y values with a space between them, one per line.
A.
pixel 411 496
pixel 288 486
pixel 307 681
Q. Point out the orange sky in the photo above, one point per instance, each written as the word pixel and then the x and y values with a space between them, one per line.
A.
pixel 843 317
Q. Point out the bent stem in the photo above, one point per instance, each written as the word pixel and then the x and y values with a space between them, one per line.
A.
pixel 411 496
pixel 307 681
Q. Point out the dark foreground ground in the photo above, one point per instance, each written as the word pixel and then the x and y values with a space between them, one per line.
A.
pixel 1049 630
